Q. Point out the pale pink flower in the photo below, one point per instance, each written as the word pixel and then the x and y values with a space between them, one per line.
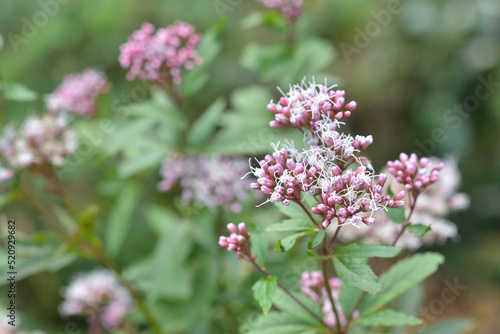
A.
pixel 160 56
pixel 238 240
pixel 78 93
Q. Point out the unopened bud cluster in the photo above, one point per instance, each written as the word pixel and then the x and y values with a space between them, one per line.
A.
pixel 290 9
pixel 415 174
pixel 78 93
pixel 97 293
pixel 41 143
pixel 238 240
pixel 161 56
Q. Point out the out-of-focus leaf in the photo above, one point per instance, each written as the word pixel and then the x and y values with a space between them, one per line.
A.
pixel 388 318
pixel 287 305
pixel 260 246
pixel 397 215
pixel 316 239
pixel 277 323
pixel 263 292
pixel 449 326
pixel 205 125
pixel 419 229
pixel 18 92
pixel 348 298
pixel 356 273
pixel 160 218
pixel 120 217
pixel 401 277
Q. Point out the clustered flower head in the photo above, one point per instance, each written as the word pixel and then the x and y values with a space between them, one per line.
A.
pixel 238 240
pixel 78 93
pixel 413 173
pixel 307 104
pixel 97 293
pixel 40 143
pixel 290 9
pixel 431 208
pixel 324 169
pixel 209 181
pixel 160 56
pixel 313 286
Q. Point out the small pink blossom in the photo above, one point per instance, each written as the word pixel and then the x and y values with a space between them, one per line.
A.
pixel 290 9
pixel 78 93
pixel 97 293
pixel 238 240
pixel 160 56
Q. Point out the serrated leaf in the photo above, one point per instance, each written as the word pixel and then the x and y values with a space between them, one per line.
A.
pixel 419 229
pixel 356 273
pixel 291 225
pixel 366 250
pixel 287 243
pixel 388 318
pixel 401 277
pixel 397 215
pixel 316 239
pixel 205 125
pixel 263 292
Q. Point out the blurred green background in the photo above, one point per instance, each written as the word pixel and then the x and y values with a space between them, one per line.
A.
pixel 410 72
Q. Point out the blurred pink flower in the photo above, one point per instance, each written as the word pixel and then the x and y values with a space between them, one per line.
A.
pixel 160 56
pixel 78 93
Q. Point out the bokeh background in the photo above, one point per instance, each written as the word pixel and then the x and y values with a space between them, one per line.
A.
pixel 410 72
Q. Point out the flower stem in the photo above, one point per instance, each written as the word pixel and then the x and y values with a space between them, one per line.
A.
pixel 307 212
pixel 288 292
pixel 326 278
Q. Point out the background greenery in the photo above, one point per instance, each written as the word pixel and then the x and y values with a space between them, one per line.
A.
pixel 424 61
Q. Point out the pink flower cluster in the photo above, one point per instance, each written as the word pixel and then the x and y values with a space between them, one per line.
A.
pixel 413 173
pixel 306 104
pixel 238 240
pixel 208 181
pixel 290 9
pixel 41 142
pixel 431 209
pixel 160 56
pixel 97 293
pixel 313 286
pixel 351 194
pixel 323 168
pixel 78 93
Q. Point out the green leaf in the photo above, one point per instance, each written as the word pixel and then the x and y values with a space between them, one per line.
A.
pixel 449 326
pixel 205 125
pixel 277 323
pixel 397 215
pixel 120 217
pixel 356 273
pixel 296 224
pixel 1 42
pixel 136 164
pixel 160 218
pixel 419 229
pixel 287 243
pixel 401 277
pixel 287 305
pixel 366 250
pixel 388 318
pixel 18 92
pixel 260 246
pixel 263 292
pixel 316 239
pixel 348 298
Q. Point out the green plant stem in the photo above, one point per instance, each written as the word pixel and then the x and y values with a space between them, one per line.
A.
pixel 326 278
pixel 98 255
pixel 307 212
pixel 289 293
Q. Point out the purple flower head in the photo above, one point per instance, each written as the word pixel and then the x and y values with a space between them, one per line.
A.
pixel 208 181
pixel 416 175
pixel 77 93
pixel 309 103
pixel 160 56
pixel 97 293
pixel 238 240
pixel 41 143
